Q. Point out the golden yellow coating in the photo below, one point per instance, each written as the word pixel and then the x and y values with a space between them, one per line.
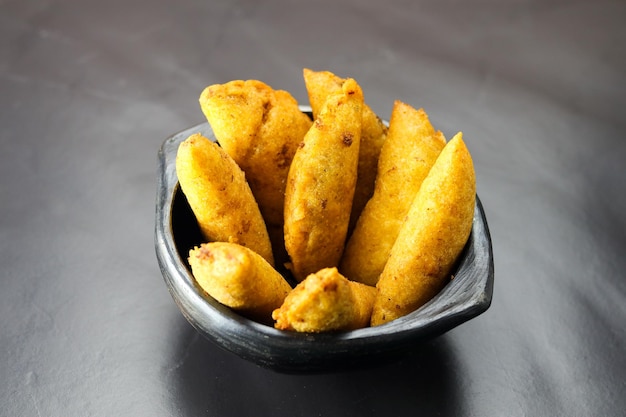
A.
pixel 326 301
pixel 238 278
pixel 364 297
pixel 319 85
pixel 321 183
pixel 260 128
pixel 432 237
pixel 410 150
pixel 219 196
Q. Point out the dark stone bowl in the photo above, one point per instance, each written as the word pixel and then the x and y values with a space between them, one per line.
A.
pixel 465 297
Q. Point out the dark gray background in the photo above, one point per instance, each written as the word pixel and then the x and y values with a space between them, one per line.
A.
pixel 90 89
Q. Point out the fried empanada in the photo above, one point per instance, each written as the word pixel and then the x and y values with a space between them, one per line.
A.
pixel 219 196
pixel 319 85
pixel 431 238
pixel 326 301
pixel 321 183
pixel 239 278
pixel 410 150
pixel 260 128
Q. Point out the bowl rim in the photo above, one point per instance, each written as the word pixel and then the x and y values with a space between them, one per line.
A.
pixel 466 296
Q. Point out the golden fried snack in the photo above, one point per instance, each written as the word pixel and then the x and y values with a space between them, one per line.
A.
pixel 326 301
pixel 220 197
pixel 410 150
pixel 260 128
pixel 238 278
pixel 432 237
pixel 321 183
pixel 319 85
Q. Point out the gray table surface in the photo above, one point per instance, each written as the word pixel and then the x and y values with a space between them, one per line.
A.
pixel 90 89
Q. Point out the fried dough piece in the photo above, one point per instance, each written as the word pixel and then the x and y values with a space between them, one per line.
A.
pixel 432 237
pixel 260 128
pixel 326 301
pixel 319 85
pixel 219 196
pixel 321 183
pixel 410 150
pixel 239 278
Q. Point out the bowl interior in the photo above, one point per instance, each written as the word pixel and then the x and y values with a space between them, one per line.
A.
pixel 466 296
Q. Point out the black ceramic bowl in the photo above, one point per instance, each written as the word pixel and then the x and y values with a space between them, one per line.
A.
pixel 466 296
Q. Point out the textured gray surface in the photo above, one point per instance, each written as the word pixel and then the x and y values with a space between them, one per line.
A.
pixel 89 90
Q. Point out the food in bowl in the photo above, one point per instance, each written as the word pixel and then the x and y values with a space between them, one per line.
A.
pixel 309 195
pixel 327 321
pixel 463 298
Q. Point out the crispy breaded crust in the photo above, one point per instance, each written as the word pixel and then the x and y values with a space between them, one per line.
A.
pixel 321 183
pixel 321 84
pixel 410 150
pixel 326 301
pixel 432 237
pixel 238 278
pixel 260 128
pixel 219 196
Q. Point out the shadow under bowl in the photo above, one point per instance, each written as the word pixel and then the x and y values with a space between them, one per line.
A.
pixel 176 231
